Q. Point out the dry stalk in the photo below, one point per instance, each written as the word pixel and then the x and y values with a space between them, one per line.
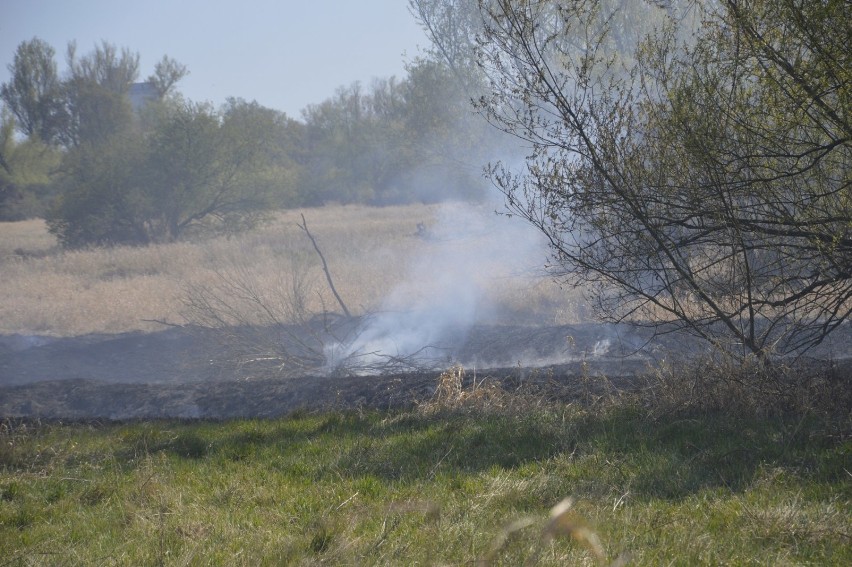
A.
pixel 304 227
pixel 564 522
pixel 486 394
pixel 724 384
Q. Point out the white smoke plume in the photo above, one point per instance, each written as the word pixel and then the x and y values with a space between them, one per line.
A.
pixel 467 252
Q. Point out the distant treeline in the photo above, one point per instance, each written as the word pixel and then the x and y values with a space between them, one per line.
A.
pixel 108 158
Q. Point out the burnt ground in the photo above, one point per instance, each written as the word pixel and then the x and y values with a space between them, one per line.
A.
pixel 175 373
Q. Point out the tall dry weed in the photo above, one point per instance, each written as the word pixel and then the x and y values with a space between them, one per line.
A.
pixel 459 391
pixel 721 384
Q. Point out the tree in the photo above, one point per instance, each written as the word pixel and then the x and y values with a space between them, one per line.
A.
pixel 337 138
pixel 7 141
pixel 96 92
pixel 196 169
pixel 34 92
pixel 450 143
pixel 208 166
pixel 396 141
pixel 167 73
pixel 279 159
pixel 27 170
pixel 103 197
pixel 452 26
pixel 703 183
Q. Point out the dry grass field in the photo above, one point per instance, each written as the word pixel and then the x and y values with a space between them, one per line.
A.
pixel 374 254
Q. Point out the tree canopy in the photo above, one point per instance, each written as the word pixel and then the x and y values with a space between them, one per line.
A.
pixel 34 92
pixel 698 176
pixel 396 141
pixel 194 166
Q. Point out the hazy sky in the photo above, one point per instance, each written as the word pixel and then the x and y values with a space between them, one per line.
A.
pixel 285 54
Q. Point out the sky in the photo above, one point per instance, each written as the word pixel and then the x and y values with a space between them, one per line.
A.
pixel 285 54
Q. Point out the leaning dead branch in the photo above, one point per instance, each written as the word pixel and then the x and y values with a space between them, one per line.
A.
pixel 304 227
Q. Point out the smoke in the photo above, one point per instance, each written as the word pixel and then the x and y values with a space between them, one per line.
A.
pixel 467 252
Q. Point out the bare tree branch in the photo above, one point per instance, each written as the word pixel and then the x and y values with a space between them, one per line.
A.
pixel 304 227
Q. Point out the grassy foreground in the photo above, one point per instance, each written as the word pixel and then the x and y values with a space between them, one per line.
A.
pixel 427 487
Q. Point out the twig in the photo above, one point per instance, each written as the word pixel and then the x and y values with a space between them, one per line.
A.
pixel 304 226
pixel 164 323
pixel 345 502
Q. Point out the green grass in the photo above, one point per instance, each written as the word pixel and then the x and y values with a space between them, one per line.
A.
pixel 426 488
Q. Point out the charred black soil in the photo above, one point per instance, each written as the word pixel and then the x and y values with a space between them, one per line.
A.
pixel 175 373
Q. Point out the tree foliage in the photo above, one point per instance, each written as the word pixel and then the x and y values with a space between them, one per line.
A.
pixel 208 165
pixel 196 169
pixel 398 141
pixel 34 92
pixel 28 169
pixel 7 141
pixel 96 93
pixel 703 182
pixel 167 73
